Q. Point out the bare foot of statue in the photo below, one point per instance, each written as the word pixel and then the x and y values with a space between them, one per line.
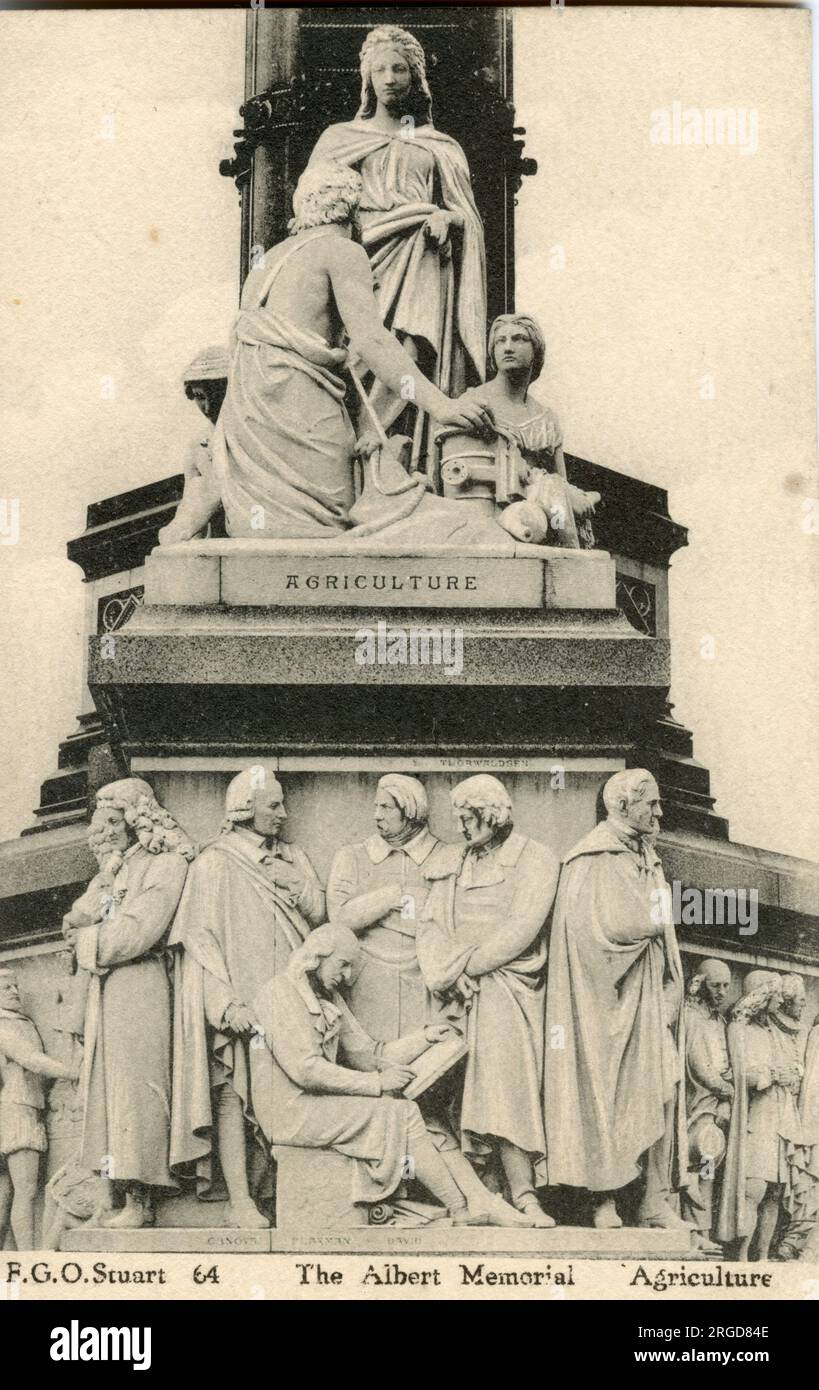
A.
pixel 661 1217
pixel 244 1215
pixel 605 1216
pixel 530 1207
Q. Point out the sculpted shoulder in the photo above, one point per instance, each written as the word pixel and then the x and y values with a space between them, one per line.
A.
pixel 277 995
pixel 169 867
pixel 344 255
pixel 444 861
pixel 539 858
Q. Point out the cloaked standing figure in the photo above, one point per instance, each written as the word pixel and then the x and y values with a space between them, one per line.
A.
pixel 766 1048
pixel 614 1100
pixel 801 1239
pixel 709 1090
pixel 481 941
pixel 120 939
pixel 251 900
pixel 377 888
pixel 420 225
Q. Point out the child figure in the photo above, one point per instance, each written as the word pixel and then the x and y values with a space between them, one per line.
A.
pixel 205 382
pixel 554 510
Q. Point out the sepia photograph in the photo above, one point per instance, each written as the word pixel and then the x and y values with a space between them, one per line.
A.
pixel 409 518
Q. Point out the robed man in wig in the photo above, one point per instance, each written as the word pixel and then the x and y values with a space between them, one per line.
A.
pixel 420 226
pixel 119 934
pixel 614 1098
pixel 250 901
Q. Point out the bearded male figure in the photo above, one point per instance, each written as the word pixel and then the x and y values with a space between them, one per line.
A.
pixel 251 900
pixel 613 1097
pixel 420 226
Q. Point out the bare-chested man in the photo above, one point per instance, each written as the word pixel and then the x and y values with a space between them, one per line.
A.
pixel 283 446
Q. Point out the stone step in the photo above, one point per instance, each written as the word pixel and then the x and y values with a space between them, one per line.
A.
pixel 560 1242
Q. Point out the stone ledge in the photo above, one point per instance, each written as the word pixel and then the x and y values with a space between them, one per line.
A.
pixel 610 655
pixel 317 574
pixel 560 1242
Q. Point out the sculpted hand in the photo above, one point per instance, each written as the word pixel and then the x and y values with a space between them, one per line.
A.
pixel 467 988
pixel 77 918
pixel 394 1079
pixel 469 415
pixel 239 1019
pixel 438 1032
pixel 436 229
pixel 725 1090
pixel 366 444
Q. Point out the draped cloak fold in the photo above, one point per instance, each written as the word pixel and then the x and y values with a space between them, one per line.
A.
pixel 610 986
pixel 237 929
pixel 421 293
pixel 125 1085
pixel 765 1133
pixel 282 446
pixel 806 1160
pixel 318 1086
pixel 478 901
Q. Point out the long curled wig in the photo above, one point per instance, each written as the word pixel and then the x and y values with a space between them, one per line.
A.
pixel 154 827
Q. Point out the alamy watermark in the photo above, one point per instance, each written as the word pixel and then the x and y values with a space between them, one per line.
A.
pixel 384 645
pixel 735 126
pixel 706 907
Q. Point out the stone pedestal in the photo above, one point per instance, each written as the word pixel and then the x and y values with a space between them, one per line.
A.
pixel 320 574
pixel 313 1191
